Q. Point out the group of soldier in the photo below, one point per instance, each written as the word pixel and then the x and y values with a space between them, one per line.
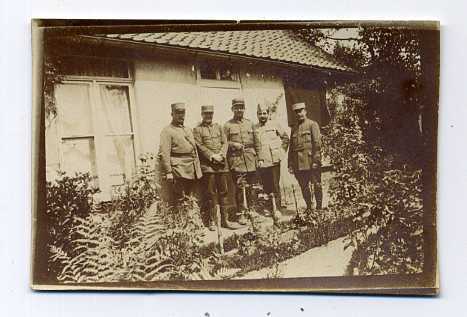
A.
pixel 211 153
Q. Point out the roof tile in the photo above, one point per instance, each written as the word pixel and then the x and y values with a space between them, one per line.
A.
pixel 275 45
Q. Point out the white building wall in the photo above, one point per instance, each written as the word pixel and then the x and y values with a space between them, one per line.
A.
pixel 159 83
pixel 262 87
pixel 259 87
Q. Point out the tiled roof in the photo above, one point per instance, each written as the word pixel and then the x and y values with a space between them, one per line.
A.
pixel 275 45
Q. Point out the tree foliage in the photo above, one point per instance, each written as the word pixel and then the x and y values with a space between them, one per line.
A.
pixel 384 197
pixel 390 83
pixel 375 144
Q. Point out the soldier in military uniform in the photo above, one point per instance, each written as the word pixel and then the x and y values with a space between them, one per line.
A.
pixel 212 148
pixel 179 162
pixel 273 139
pixel 305 155
pixel 243 154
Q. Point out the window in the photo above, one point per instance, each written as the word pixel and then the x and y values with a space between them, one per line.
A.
pixel 96 132
pixel 217 75
pixel 208 71
pixel 213 71
pixel 92 66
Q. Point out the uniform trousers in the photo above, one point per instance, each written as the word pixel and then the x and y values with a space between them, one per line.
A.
pixel 304 178
pixel 179 188
pixel 270 178
pixel 239 178
pixel 216 188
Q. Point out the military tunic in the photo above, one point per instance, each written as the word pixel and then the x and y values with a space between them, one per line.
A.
pixel 242 133
pixel 305 146
pixel 274 140
pixel 211 140
pixel 178 153
pixel 304 151
pixel 242 162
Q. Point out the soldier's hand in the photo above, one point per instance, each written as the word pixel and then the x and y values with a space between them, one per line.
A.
pixel 216 158
pixel 260 163
pixel 169 177
pixel 314 165
pixel 290 170
pixel 238 146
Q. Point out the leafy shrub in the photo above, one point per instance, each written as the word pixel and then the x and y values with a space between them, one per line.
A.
pixel 390 235
pixel 381 194
pixel 267 247
pixel 163 244
pixel 134 237
pixel 133 198
pixel 67 199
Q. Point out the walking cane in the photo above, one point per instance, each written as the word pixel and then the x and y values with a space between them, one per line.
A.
pixel 220 239
pixel 245 202
pixel 312 198
pixel 297 217
pixel 285 196
pixel 311 188
pixel 274 210
pixel 274 206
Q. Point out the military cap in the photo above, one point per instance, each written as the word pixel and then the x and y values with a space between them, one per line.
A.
pixel 298 106
pixel 238 102
pixel 178 106
pixel 262 107
pixel 207 108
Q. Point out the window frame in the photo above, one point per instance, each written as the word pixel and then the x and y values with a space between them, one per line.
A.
pixel 129 69
pixel 217 83
pixel 98 134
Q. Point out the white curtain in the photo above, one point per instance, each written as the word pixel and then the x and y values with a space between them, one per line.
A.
pixel 114 109
pixel 116 124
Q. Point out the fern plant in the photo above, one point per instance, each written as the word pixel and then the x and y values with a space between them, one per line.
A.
pixel 68 198
pixel 134 237
pixel 163 244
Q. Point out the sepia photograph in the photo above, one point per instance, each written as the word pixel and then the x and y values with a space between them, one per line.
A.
pixel 223 156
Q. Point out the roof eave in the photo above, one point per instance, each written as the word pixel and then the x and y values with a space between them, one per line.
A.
pixel 209 52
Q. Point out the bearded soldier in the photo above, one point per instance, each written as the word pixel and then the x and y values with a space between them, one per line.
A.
pixel 274 140
pixel 305 156
pixel 179 162
pixel 243 155
pixel 212 147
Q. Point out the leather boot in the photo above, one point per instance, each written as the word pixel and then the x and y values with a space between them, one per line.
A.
pixel 225 223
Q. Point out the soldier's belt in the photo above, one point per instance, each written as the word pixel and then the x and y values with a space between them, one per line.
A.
pixel 300 148
pixel 192 154
pixel 245 147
